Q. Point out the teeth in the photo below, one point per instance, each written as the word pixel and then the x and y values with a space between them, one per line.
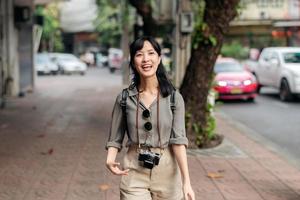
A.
pixel 146 67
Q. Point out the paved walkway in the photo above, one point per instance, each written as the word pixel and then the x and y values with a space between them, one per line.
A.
pixel 52 148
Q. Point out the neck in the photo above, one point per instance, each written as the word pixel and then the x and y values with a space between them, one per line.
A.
pixel 149 85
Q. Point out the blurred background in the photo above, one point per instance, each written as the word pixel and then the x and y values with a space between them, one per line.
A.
pixel 69 58
pixel 39 36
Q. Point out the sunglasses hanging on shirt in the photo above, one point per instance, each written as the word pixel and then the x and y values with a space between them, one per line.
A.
pixel 146 114
pixel 147 125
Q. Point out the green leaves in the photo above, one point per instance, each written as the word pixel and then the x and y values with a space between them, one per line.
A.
pixel 112 15
pixel 51 32
pixel 203 35
pixel 213 40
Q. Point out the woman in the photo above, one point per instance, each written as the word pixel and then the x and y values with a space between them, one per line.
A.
pixel 156 155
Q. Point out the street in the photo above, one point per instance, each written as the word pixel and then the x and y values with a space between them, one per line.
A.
pixel 52 139
pixel 278 122
pixel 52 148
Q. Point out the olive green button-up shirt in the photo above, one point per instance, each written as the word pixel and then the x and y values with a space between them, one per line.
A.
pixel 171 125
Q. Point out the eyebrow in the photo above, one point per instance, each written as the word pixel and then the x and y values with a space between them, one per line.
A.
pixel 147 50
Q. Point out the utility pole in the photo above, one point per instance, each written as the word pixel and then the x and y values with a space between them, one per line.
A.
pixel 125 41
pixel 183 19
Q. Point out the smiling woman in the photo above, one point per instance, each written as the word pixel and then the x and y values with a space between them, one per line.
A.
pixel 155 165
pixel 146 61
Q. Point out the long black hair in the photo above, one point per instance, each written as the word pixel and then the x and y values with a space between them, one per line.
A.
pixel 165 85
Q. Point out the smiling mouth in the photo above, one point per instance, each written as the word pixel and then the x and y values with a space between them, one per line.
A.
pixel 146 67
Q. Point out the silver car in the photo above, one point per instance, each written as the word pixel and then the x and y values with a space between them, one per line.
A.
pixel 44 65
pixel 68 63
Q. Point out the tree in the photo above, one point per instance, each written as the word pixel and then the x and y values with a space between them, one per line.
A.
pixel 213 18
pixel 208 38
pixel 51 37
pixel 108 23
pixel 144 9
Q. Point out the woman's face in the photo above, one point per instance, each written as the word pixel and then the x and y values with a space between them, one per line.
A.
pixel 146 60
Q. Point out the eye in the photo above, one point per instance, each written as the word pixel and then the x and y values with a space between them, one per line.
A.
pixel 151 52
pixel 138 55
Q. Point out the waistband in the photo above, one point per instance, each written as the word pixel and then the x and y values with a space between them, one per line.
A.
pixel 135 147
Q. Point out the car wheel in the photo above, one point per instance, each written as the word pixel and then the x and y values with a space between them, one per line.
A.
pixel 258 88
pixel 285 92
pixel 112 70
pixel 251 99
pixel 258 85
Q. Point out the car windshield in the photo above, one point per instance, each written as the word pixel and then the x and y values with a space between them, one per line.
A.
pixel 63 57
pixel 42 59
pixel 227 67
pixel 291 57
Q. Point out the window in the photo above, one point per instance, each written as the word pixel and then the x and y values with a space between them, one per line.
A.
pixel 291 57
pixel 262 3
pixel 270 3
pixel 265 56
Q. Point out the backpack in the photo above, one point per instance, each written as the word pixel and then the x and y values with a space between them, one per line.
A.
pixel 124 105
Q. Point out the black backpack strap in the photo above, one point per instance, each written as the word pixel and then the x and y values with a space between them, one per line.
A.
pixel 123 104
pixel 124 99
pixel 173 107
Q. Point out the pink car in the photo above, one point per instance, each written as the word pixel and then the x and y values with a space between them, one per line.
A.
pixel 232 81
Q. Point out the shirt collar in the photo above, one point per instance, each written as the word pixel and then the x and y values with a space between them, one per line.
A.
pixel 132 91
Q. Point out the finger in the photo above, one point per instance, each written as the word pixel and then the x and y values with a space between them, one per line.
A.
pixel 114 169
pixel 116 164
pixel 117 171
pixel 113 165
pixel 191 196
pixel 186 197
pixel 124 172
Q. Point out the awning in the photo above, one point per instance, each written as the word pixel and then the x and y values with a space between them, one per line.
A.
pixel 286 24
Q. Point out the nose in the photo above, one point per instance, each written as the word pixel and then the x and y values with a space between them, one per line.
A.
pixel 145 58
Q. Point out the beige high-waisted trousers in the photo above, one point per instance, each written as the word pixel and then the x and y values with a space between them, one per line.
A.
pixel 162 182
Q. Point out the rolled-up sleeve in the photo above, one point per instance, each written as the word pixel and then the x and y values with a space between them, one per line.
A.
pixel 178 134
pixel 117 129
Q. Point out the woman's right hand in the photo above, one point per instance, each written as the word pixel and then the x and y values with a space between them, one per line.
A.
pixel 114 167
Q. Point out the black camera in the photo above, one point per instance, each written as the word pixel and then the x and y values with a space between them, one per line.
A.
pixel 149 159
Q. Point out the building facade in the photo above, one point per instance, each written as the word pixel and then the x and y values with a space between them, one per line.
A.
pixel 18 41
pixel 16 47
pixel 277 19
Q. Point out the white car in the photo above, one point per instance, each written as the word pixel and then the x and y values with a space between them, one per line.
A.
pixel 68 63
pixel 279 67
pixel 44 65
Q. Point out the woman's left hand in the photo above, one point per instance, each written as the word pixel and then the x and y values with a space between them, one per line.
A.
pixel 188 192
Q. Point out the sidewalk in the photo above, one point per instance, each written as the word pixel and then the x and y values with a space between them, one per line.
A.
pixel 52 148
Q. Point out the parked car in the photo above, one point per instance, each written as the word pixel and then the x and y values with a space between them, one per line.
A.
pixel 279 67
pixel 68 63
pixel 44 65
pixel 250 65
pixel 102 60
pixel 114 59
pixel 232 81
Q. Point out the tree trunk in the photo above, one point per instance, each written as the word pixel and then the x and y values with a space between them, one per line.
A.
pixel 199 74
pixel 144 9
